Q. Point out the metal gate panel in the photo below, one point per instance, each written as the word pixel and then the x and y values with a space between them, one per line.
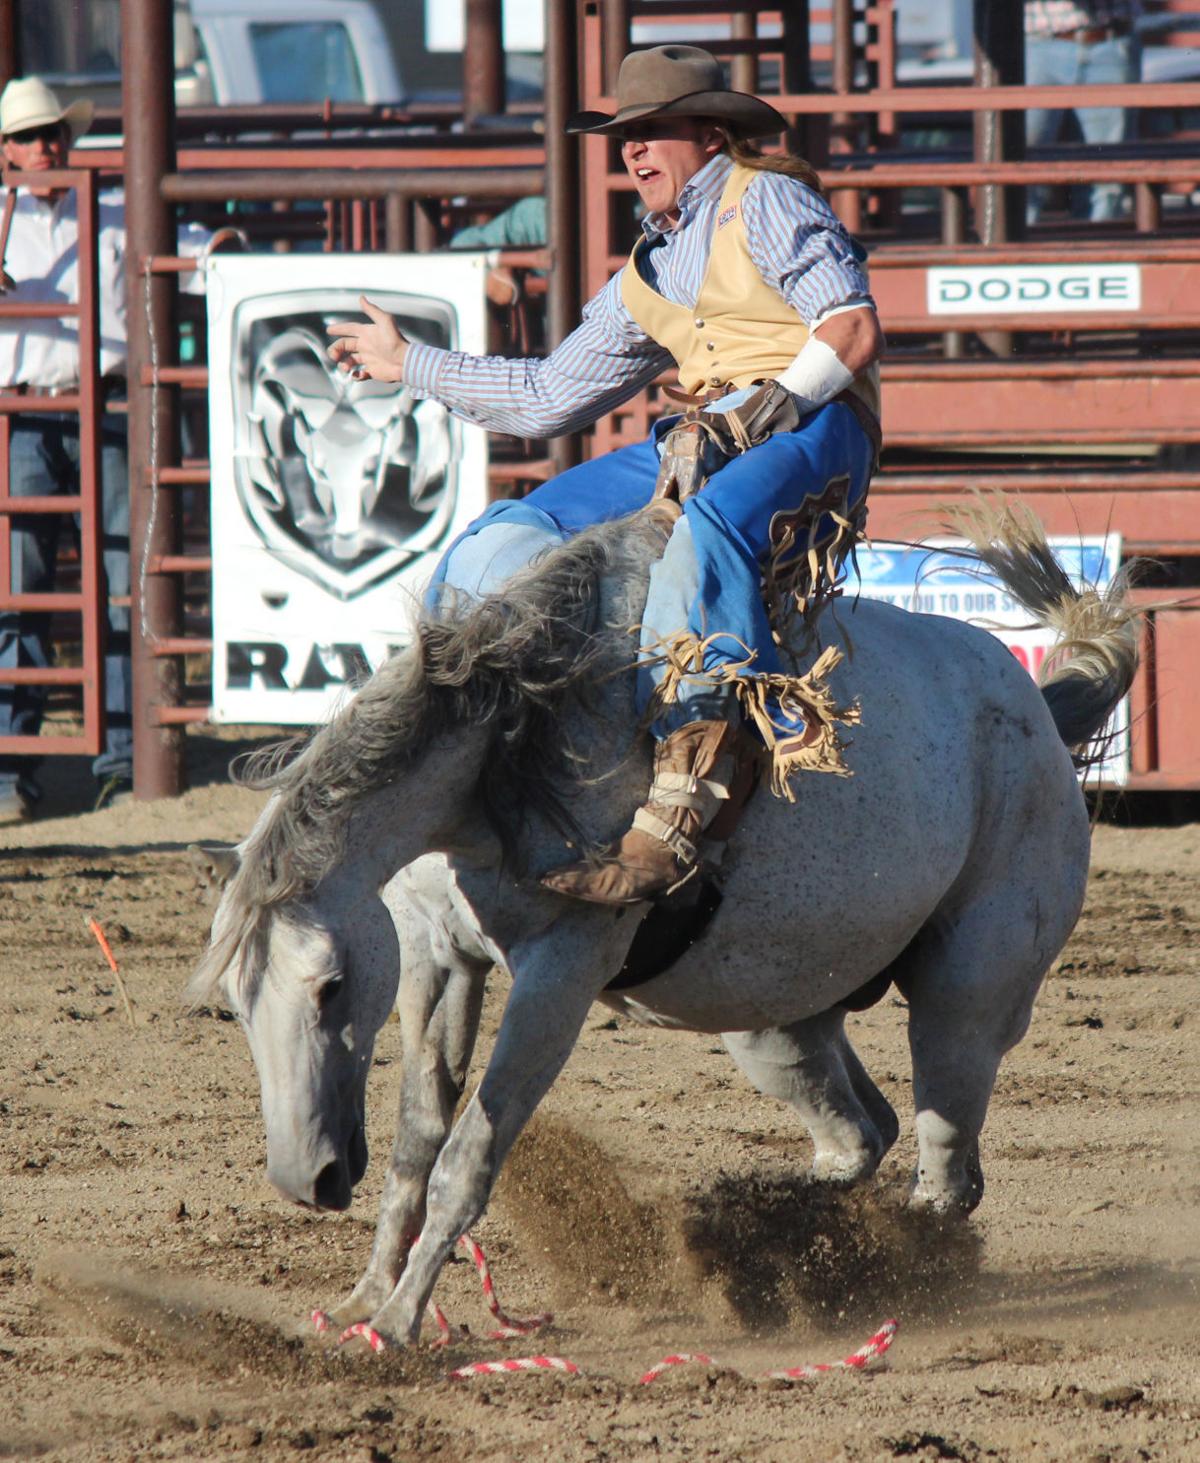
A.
pixel 89 602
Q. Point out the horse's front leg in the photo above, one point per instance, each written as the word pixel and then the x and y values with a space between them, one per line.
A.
pixel 555 979
pixel 439 1001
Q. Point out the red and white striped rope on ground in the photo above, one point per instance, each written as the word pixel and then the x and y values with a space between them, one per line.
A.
pixel 514 1364
pixel 445 1331
pixel 677 1359
pixel 857 1361
pixel 360 1328
pixel 509 1327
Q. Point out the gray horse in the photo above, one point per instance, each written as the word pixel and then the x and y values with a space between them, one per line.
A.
pixel 398 857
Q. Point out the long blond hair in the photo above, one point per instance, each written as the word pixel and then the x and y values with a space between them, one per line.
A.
pixel 747 155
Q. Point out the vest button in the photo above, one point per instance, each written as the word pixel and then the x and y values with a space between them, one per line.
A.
pixel 710 346
pixel 714 380
pixel 699 324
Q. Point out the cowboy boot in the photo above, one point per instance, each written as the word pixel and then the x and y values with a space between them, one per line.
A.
pixel 659 851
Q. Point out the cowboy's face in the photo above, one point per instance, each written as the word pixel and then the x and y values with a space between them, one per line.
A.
pixel 661 154
pixel 36 150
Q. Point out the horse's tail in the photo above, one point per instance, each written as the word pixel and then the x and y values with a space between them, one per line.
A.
pixel 1095 657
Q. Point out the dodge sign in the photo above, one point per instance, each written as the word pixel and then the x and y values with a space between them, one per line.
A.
pixel 1024 289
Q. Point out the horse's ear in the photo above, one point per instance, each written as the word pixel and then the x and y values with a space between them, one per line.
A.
pixel 215 866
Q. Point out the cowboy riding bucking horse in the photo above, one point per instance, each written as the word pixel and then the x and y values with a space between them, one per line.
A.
pixel 744 279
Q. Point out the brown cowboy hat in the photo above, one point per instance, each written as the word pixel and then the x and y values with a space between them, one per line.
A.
pixel 679 81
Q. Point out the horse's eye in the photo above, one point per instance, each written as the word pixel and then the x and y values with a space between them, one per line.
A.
pixel 329 992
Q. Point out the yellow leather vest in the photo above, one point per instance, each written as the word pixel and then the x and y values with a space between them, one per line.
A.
pixel 741 329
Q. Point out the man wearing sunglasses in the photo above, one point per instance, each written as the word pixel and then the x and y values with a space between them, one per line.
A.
pixel 40 358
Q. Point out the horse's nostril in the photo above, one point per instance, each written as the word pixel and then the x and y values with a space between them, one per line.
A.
pixel 332 1189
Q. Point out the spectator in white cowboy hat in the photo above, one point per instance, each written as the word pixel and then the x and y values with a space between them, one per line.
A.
pixel 743 277
pixel 40 357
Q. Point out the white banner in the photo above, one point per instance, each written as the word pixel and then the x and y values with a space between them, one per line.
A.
pixel 1027 289
pixel 332 500
pixel 937 583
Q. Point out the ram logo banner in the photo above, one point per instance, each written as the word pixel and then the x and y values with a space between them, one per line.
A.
pixel 1030 289
pixel 332 499
pixel 936 579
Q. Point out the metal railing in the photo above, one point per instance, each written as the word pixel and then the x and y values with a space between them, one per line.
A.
pixel 89 602
pixel 396 194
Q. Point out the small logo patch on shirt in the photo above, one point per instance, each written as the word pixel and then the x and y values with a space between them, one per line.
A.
pixel 727 217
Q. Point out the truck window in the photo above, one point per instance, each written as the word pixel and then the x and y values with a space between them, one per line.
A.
pixel 305 61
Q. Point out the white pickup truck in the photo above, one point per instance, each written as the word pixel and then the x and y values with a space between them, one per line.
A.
pixel 234 53
pixel 227 52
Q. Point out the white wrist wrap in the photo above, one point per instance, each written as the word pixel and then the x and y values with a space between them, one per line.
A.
pixel 816 375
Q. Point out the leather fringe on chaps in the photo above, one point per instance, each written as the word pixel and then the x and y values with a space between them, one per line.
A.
pixel 819 748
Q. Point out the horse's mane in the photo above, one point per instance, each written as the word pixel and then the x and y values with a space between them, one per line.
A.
pixel 512 663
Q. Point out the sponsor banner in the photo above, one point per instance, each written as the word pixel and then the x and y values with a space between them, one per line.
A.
pixel 332 500
pixel 1026 289
pixel 932 579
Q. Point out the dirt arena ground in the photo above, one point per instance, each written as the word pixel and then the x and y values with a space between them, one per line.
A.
pixel 154 1291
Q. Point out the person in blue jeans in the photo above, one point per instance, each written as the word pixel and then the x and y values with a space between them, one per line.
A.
pixel 44 461
pixel 745 279
pixel 1080 43
pixel 39 358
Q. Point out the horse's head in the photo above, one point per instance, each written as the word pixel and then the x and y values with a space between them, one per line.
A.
pixel 506 727
pixel 311 982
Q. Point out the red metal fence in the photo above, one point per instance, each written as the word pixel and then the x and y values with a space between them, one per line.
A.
pixel 1089 416
pixel 85 402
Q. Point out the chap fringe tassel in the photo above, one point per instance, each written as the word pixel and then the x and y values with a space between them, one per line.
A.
pixel 819 748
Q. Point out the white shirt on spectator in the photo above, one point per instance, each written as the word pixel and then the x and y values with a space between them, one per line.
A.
pixel 42 258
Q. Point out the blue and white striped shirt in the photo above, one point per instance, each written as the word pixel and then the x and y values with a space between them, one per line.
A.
pixel 799 245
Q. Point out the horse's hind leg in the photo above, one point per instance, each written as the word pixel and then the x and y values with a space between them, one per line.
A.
pixel 812 1066
pixel 971 983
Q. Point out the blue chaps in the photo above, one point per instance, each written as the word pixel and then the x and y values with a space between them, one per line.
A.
pixel 708 581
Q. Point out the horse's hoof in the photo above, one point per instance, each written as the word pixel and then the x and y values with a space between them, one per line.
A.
pixel 946 1204
pixel 844 1169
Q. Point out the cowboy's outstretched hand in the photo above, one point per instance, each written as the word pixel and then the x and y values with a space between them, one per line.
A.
pixel 376 350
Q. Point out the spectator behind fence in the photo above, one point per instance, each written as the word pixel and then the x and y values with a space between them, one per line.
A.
pixel 1080 43
pixel 39 358
pixel 521 226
